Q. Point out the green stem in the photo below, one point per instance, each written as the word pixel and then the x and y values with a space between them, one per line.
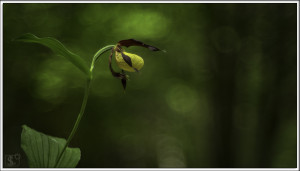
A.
pixel 75 127
pixel 84 102
pixel 98 54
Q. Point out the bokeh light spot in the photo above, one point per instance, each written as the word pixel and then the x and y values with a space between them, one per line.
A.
pixel 51 81
pixel 142 24
pixel 181 98
pixel 169 152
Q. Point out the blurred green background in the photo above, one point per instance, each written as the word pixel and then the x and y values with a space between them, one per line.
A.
pixel 224 94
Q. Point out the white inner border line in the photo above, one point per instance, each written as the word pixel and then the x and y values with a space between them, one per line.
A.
pixel 298 84
pixel 173 2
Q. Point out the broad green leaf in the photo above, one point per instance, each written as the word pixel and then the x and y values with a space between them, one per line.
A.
pixel 43 150
pixel 58 48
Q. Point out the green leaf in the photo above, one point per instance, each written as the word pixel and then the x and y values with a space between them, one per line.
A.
pixel 58 48
pixel 43 150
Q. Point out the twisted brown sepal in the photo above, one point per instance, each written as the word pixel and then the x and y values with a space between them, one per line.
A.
pixel 122 75
pixel 123 80
pixel 133 42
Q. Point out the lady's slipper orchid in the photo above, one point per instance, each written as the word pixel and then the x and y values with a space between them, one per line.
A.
pixel 127 61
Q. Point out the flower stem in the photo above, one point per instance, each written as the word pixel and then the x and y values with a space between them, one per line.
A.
pixel 75 127
pixel 98 54
pixel 84 102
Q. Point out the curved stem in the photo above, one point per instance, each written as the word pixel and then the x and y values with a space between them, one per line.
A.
pixel 84 102
pixel 75 127
pixel 98 54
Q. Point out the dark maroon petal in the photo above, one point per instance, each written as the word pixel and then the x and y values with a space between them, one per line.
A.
pixel 127 59
pixel 122 75
pixel 136 70
pixel 123 80
pixel 124 83
pixel 133 42
pixel 114 73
